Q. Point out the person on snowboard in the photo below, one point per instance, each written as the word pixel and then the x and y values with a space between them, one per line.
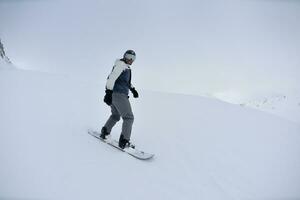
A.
pixel 116 96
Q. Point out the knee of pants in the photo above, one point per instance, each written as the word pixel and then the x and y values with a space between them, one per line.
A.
pixel 128 117
pixel 116 117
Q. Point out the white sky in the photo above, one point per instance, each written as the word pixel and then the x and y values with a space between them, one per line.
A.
pixel 186 46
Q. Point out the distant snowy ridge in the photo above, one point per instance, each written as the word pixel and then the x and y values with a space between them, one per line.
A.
pixel 283 104
pixel 287 106
pixel 267 102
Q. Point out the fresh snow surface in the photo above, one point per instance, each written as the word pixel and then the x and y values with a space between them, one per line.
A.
pixel 204 148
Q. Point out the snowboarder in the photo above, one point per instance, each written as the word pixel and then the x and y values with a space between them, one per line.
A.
pixel 116 96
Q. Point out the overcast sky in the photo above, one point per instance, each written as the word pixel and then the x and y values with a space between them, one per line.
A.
pixel 192 47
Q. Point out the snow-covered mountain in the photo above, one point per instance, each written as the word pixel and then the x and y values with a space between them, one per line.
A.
pixel 287 106
pixel 204 148
pixel 3 57
pixel 266 102
pixel 284 104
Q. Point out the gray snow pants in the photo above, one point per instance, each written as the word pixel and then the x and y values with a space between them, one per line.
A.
pixel 120 108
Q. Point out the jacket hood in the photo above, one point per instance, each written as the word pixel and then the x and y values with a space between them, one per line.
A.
pixel 121 62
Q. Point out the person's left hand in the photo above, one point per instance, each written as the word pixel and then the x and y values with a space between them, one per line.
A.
pixel 108 97
pixel 134 92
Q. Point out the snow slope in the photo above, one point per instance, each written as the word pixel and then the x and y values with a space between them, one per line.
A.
pixel 205 148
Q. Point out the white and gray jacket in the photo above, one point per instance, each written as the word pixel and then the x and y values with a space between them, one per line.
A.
pixel 119 80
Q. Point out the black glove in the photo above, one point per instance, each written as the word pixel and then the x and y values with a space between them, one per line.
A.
pixel 134 92
pixel 108 97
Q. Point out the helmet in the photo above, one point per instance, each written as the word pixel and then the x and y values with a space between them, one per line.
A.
pixel 129 55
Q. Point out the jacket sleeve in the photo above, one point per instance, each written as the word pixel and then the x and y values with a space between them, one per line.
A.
pixel 114 75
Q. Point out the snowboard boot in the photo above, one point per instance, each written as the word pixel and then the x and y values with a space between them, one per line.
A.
pixel 123 143
pixel 104 133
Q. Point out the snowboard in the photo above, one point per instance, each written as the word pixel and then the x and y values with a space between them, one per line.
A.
pixel 130 151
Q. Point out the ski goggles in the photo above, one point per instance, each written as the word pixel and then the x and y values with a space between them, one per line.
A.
pixel 129 57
